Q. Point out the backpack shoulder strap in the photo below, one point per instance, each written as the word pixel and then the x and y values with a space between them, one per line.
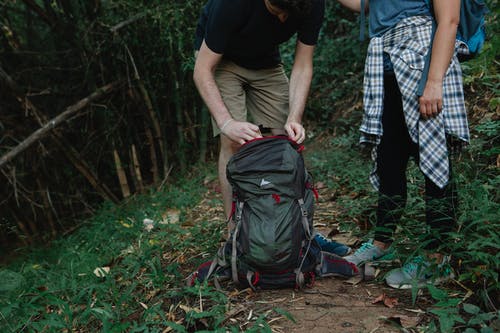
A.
pixel 362 19
pixel 425 71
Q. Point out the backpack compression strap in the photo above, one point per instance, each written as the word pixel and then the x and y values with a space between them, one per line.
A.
pixel 234 267
pixel 305 221
pixel 299 276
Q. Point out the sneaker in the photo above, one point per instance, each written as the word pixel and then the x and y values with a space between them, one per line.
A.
pixel 367 252
pixel 419 272
pixel 331 246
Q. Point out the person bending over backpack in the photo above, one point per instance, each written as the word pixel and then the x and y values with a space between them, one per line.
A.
pixel 401 124
pixel 239 75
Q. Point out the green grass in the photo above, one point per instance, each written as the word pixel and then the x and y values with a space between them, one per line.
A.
pixel 55 288
pixel 471 303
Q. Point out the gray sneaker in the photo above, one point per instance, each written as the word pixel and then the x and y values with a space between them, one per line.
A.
pixel 367 252
pixel 418 273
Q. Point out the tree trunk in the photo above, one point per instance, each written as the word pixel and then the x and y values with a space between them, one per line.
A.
pixel 122 176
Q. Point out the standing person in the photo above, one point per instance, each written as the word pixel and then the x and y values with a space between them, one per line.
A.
pixel 400 124
pixel 239 74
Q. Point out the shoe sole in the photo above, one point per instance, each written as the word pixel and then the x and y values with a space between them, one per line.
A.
pixel 419 285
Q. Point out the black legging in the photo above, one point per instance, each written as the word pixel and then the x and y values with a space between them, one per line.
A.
pixel 393 154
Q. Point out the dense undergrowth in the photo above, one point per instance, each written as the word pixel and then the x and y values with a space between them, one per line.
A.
pixel 59 289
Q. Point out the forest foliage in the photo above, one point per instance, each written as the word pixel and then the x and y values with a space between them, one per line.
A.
pixel 119 76
pixel 147 121
pixel 97 105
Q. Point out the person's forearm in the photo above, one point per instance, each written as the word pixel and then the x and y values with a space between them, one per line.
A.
pixel 300 83
pixel 447 15
pixel 442 50
pixel 205 83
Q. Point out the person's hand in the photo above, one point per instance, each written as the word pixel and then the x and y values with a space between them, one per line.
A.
pixel 295 131
pixel 240 131
pixel 431 102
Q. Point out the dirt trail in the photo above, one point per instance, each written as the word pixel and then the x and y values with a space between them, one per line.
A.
pixel 331 305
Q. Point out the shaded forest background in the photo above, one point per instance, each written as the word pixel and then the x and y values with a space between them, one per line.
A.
pixel 97 103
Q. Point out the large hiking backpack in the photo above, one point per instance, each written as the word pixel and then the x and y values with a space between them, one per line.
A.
pixel 272 244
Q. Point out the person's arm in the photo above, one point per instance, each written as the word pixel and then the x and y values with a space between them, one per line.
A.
pixel 300 82
pixel 447 14
pixel 354 5
pixel 203 76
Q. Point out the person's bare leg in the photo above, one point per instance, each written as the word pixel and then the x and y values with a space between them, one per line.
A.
pixel 227 149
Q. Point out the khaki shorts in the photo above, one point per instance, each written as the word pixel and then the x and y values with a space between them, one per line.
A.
pixel 258 96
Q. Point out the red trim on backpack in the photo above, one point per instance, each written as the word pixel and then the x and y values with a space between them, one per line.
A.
pixel 312 280
pixel 313 189
pixel 233 206
pixel 194 276
pixel 276 198
pixel 255 279
pixel 205 264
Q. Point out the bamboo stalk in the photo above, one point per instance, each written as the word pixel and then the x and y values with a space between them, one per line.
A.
pixel 22 231
pixel 137 169
pixel 66 148
pixel 54 122
pixel 152 155
pixel 47 207
pixel 152 114
pixel 122 177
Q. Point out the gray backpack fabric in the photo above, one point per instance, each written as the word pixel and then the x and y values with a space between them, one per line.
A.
pixel 273 212
pixel 272 245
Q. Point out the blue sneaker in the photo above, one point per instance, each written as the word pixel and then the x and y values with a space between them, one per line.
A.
pixel 331 246
pixel 419 272
pixel 366 253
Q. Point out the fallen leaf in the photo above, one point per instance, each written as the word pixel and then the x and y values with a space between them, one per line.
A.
pixel 101 271
pixel 171 216
pixel 188 309
pixel 126 225
pixel 388 301
pixel 148 224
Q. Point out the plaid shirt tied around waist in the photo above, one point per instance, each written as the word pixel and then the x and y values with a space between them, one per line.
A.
pixel 407 44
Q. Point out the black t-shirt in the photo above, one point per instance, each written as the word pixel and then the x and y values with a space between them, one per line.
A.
pixel 245 32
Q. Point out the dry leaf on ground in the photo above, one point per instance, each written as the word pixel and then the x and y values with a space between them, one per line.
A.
pixel 390 302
